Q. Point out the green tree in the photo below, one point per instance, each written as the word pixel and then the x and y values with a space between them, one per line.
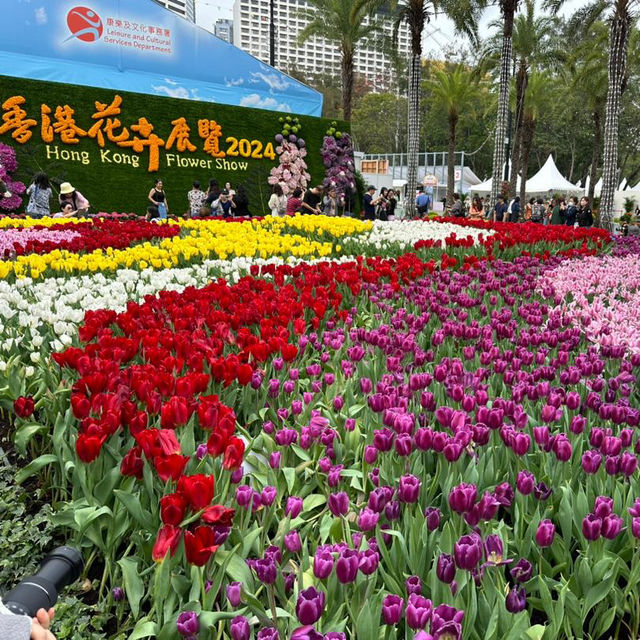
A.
pixel 380 123
pixel 415 14
pixel 348 23
pixel 455 91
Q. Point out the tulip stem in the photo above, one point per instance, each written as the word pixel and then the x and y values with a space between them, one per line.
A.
pixel 272 603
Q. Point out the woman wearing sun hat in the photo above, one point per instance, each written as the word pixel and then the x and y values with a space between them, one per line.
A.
pixel 68 193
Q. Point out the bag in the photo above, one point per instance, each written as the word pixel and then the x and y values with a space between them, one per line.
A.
pixel 538 213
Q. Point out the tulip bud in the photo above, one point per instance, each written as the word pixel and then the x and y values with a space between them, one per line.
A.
pixel 234 594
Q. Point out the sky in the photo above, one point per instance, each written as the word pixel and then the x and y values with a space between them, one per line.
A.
pixel 438 33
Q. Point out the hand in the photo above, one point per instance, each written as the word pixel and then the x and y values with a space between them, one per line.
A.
pixel 40 625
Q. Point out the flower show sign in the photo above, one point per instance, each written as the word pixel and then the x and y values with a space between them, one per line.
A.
pixel 114 144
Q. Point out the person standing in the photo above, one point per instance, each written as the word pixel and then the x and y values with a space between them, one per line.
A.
pixel 393 203
pixel 456 210
pixel 571 215
pixel 278 201
pixel 69 193
pixel 158 198
pixel 556 212
pixel 369 204
pixel 500 210
pixel 241 202
pixel 476 210
pixel 538 211
pixel 514 210
pixel 383 204
pixel 294 202
pixel 422 203
pixel 330 202
pixel 585 216
pixel 39 192
pixel 213 193
pixel 311 200
pixel 196 198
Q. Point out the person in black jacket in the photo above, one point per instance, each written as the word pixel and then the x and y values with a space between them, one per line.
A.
pixel 241 200
pixel 585 217
pixel 571 214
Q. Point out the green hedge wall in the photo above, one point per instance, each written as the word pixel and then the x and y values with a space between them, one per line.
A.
pixel 121 186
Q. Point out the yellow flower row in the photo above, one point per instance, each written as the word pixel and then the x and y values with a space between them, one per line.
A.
pixel 200 240
pixel 21 223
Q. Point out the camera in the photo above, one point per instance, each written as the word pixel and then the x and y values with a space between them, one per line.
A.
pixel 40 591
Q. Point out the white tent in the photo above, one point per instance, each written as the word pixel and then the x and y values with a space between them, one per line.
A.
pixel 485 187
pixel 623 185
pixel 598 188
pixel 636 188
pixel 549 179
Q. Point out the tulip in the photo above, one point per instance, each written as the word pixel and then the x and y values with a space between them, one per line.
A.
pixel 591 527
pixel 467 551
pixel 445 568
pixel 432 518
pixel 268 495
pixel 370 454
pixel 368 519
pixel 369 561
pixel 188 624
pixel 603 506
pixel 409 489
pixel 293 507
pixel 392 607
pixel 446 622
pixel 541 491
pixel 310 605
pixel 628 464
pixel 521 571
pixel 292 542
pixel 462 497
pixel 413 584
pixel 516 600
pixel 591 461
pixel 347 566
pixel 240 629
pixel 611 526
pixel 494 550
pixel 167 541
pixel 545 533
pixel 266 570
pixel 322 564
pixel 24 406
pixel 234 594
pixel 268 633
pixel 525 482
pixel 172 508
pixel 635 527
pixel 117 593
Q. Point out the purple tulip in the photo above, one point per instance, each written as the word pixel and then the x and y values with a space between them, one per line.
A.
pixel 240 629
pixel 591 527
pixel 541 491
pixel 521 571
pixel 306 633
pixel 268 633
pixel 446 622
pixel 635 527
pixel 335 635
pixel 463 497
pixel 338 403
pixel 445 568
pixel 468 551
pixel 292 542
pixel 603 506
pixel 545 533
pixel 188 624
pixel 293 507
pixel 347 566
pixel 310 605
pixel 234 594
pixel 274 460
pixel 338 503
pixel 628 464
pixel 525 483
pixel 591 461
pixel 494 550
pixel 368 519
pixel 268 495
pixel 370 454
pixel 413 584
pixel 611 526
pixel 322 564
pixel 266 570
pixel 432 518
pixel 409 489
pixel 201 451
pixel 369 561
pixel 516 600
pixel 392 607
pixel 117 593
pixel 418 612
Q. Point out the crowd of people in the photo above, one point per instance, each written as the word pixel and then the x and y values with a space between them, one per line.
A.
pixel 572 213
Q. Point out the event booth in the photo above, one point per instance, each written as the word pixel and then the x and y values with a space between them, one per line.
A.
pixel 113 95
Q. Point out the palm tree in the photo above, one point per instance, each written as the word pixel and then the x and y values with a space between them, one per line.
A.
pixel 620 15
pixel 508 10
pixel 416 14
pixel 346 22
pixel 534 105
pixel 454 91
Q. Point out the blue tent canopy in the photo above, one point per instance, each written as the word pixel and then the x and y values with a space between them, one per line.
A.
pixel 137 45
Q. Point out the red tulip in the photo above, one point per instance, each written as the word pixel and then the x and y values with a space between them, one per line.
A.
pixel 24 406
pixel 197 489
pixel 132 464
pixel 88 447
pixel 80 405
pixel 233 454
pixel 167 540
pixel 199 545
pixel 170 467
pixel 218 514
pixel 172 508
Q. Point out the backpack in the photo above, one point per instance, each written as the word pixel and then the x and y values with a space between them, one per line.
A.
pixel 537 212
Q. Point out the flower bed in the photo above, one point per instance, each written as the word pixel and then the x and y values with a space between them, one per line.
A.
pixel 351 447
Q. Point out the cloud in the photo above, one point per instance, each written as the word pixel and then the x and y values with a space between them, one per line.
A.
pixel 234 82
pixel 275 81
pixel 170 81
pixel 256 102
pixel 41 16
pixel 177 92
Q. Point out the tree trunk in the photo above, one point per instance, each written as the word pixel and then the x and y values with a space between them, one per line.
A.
pixel 597 134
pixel 522 78
pixel 528 129
pixel 503 100
pixel 413 132
pixel 451 162
pixel 347 80
pixel 618 43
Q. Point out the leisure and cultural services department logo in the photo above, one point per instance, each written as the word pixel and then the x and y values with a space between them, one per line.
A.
pixel 85 24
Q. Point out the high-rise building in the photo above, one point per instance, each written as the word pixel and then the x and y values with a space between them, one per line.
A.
pixel 251 33
pixel 223 28
pixel 184 8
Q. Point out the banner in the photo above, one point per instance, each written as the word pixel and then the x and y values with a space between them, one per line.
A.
pixel 137 45
pixel 113 145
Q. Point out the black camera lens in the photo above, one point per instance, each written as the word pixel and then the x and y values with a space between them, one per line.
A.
pixel 40 591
